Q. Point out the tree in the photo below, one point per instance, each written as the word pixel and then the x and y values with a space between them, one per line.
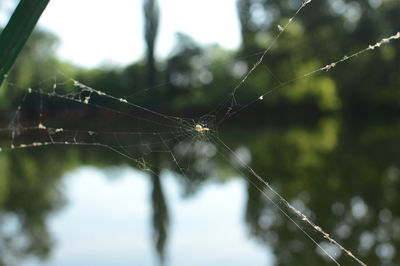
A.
pixel 325 31
pixel 160 209
pixel 151 19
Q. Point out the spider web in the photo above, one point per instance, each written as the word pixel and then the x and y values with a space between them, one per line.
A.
pixel 136 132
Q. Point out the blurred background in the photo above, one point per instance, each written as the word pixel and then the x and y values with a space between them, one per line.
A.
pixel 329 143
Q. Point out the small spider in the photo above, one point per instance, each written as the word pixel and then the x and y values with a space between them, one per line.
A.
pixel 201 129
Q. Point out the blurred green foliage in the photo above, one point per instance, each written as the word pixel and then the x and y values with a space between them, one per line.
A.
pixel 337 158
pixel 197 78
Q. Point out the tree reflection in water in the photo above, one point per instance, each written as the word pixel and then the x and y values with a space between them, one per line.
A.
pixel 344 176
pixel 160 211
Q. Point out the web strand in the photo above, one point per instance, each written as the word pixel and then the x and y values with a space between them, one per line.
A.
pixel 327 67
pixel 296 211
pixel 232 98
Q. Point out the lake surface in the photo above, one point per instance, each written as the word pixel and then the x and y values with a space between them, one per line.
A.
pixel 111 225
pixel 75 205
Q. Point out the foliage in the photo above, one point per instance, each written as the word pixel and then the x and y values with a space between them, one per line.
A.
pixel 199 77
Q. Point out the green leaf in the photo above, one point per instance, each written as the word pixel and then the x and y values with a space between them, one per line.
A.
pixel 17 31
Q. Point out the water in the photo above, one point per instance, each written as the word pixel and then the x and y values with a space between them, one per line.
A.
pixel 110 225
pixel 89 206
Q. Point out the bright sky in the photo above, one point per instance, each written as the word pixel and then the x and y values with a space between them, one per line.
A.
pixel 88 36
